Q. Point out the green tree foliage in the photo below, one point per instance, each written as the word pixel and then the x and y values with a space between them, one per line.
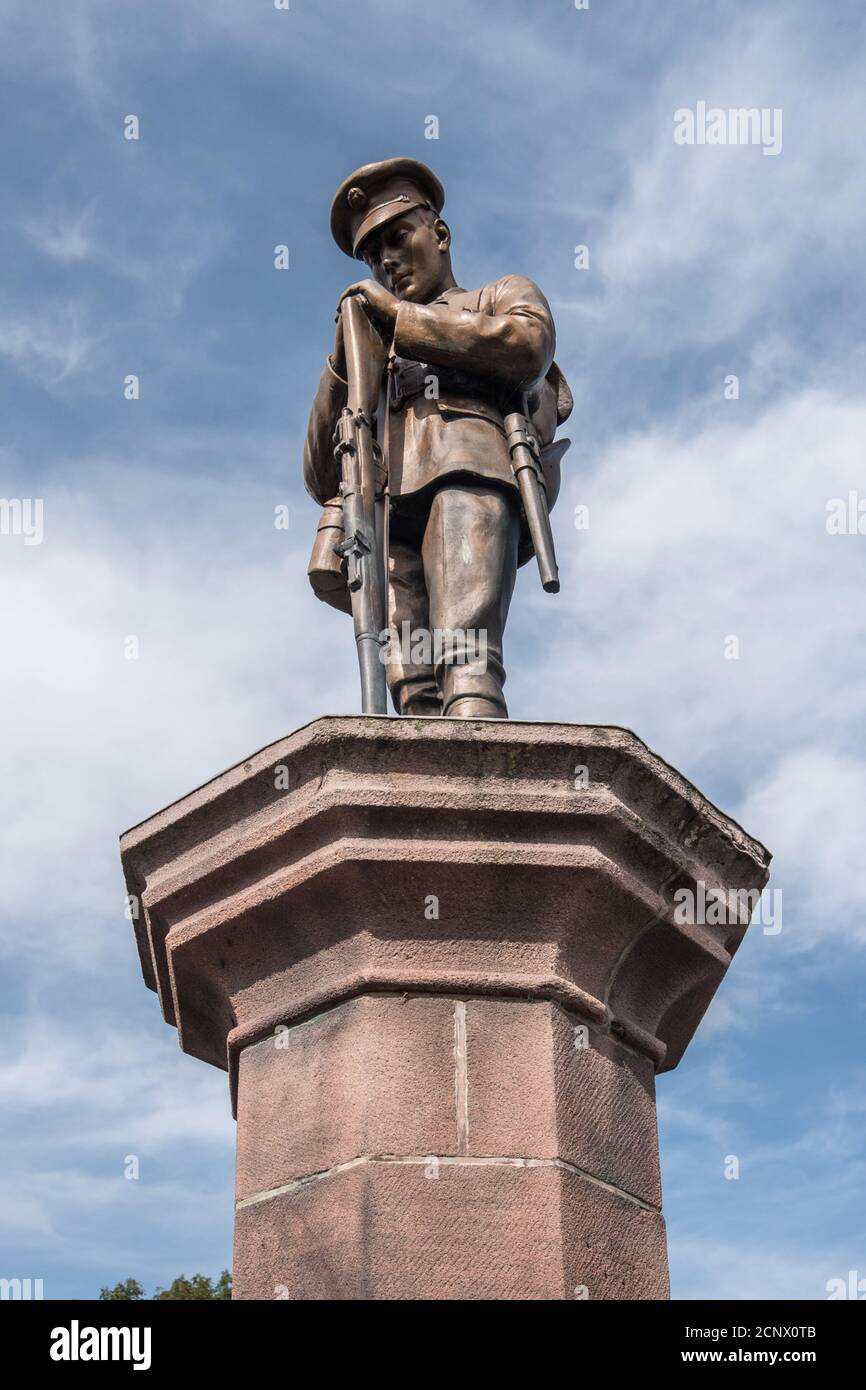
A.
pixel 130 1288
pixel 199 1286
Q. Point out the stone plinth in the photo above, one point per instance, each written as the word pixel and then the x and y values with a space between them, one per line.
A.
pixel 441 964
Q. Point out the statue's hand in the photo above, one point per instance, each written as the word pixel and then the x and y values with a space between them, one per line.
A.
pixel 380 304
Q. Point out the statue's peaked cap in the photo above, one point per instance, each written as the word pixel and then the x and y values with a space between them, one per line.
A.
pixel 377 193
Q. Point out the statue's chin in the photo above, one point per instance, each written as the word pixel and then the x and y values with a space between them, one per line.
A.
pixel 412 294
pixel 420 296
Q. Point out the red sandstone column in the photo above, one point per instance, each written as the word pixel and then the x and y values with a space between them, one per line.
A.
pixel 440 961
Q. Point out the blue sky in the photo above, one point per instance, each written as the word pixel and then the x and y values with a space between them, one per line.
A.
pixel 707 519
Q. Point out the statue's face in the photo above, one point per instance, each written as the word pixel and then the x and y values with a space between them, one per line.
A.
pixel 411 256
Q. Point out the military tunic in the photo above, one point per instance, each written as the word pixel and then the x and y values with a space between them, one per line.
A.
pixel 457 366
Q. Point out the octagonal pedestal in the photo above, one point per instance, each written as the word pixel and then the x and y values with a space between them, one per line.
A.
pixel 441 963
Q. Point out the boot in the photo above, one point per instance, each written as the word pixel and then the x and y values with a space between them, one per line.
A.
pixel 475 707
pixel 422 707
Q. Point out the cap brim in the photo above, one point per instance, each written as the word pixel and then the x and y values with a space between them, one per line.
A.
pixel 379 216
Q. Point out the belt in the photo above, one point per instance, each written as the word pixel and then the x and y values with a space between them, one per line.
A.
pixel 406 380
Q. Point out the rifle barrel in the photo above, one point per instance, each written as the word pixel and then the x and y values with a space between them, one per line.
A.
pixel 356 456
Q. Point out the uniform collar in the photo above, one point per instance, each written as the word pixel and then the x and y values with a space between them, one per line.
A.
pixel 443 297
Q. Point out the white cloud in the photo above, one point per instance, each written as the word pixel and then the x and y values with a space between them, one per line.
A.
pixel 66 236
pixel 125 1097
pixel 219 602
pixel 708 529
pixel 712 530
pixel 809 1162
pixel 707 237
pixel 38 342
pixel 813 807
pixel 743 1269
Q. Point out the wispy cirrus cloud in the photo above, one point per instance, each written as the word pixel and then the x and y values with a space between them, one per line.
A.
pixel 44 345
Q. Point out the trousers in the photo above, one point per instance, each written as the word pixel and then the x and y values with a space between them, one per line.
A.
pixel 452 564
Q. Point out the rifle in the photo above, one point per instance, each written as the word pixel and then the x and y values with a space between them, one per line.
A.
pixel 358 455
pixel 526 465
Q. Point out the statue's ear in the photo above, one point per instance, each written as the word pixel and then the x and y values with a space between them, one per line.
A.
pixel 564 398
pixel 443 232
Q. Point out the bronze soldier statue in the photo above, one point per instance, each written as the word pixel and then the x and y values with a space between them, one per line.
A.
pixel 465 397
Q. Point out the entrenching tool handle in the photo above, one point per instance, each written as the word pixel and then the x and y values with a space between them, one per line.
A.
pixel 527 472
